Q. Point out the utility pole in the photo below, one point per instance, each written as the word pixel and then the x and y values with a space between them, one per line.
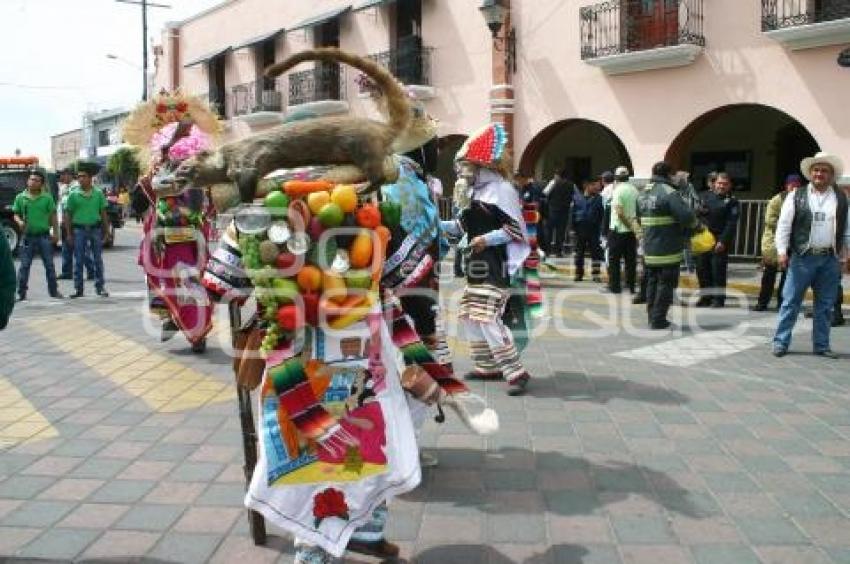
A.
pixel 144 4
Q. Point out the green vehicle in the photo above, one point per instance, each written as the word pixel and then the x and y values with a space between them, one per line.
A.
pixel 13 180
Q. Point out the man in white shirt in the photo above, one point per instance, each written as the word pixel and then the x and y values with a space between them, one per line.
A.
pixel 812 242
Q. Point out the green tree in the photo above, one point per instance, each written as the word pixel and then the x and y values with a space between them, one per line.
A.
pixel 124 166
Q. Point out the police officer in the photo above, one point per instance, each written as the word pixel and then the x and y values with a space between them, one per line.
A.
pixel 720 212
pixel 665 220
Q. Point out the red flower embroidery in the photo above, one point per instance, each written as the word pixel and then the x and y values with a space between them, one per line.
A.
pixel 161 108
pixel 182 107
pixel 329 503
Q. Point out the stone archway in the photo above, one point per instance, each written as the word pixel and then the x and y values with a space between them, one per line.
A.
pixel 584 147
pixel 758 145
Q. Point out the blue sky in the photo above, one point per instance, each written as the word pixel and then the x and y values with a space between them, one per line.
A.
pixel 53 64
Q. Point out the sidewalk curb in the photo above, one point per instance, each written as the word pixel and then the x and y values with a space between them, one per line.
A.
pixel 689 281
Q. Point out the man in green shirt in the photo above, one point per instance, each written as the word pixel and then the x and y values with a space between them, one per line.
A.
pixel 35 214
pixel 622 240
pixel 86 226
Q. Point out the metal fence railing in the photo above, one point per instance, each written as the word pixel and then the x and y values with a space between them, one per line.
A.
pixel 750 227
pixel 324 82
pixel 622 26
pixel 255 97
pixel 410 63
pixel 780 14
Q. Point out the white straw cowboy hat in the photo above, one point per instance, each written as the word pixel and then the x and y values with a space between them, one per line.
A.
pixel 822 158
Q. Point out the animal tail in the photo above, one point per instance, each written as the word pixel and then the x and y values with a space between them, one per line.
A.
pixel 397 103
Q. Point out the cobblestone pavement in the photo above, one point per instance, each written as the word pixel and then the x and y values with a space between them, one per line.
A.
pixel 693 445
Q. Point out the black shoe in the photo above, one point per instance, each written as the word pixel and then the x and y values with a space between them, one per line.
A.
pixel 597 279
pixel 199 347
pixel 102 293
pixel 639 299
pixel 476 375
pixel 22 297
pixel 717 305
pixel 517 387
pixel 660 325
pixel 607 290
pixel 808 314
pixel 837 321
pixel 578 278
pixel 703 302
pixel 827 353
pixel 759 307
pixel 57 296
pixel 168 330
pixel 65 277
pixel 77 294
pixel 90 277
pixel 779 352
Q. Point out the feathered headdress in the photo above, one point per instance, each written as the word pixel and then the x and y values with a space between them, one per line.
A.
pixel 148 125
pixel 485 147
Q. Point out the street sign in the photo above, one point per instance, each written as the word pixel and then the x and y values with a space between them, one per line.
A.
pixel 844 58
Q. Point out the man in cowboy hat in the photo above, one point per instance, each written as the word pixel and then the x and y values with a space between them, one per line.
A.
pixel 812 242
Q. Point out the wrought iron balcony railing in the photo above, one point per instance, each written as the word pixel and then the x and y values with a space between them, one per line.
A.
pixel 324 82
pixel 780 14
pixel 257 96
pixel 623 26
pixel 411 64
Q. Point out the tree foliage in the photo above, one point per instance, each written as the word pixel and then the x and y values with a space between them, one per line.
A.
pixel 124 166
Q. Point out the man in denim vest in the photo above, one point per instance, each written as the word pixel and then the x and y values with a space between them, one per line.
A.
pixel 812 240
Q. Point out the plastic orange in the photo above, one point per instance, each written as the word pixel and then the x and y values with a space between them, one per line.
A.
pixel 309 278
pixel 334 287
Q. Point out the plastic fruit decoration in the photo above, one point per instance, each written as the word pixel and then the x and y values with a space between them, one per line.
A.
pixel 277 203
pixel 317 201
pixel 369 216
pixel 390 213
pixel 334 287
pixel 345 197
pixel 331 215
pixel 360 253
pixel 289 317
pixel 309 278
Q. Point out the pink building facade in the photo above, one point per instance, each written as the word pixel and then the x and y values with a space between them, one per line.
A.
pixel 746 86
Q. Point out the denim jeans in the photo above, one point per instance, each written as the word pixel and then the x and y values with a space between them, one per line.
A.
pixel 31 246
pixel 68 261
pixel 822 274
pixel 85 238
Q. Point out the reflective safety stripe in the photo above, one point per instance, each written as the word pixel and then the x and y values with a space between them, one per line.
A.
pixel 656 221
pixel 663 259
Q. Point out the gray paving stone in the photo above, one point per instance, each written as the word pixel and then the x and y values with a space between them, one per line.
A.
pixel 642 529
pixel 724 554
pixel 511 529
pixel 145 517
pixel 24 487
pixel 735 482
pixel 770 531
pixel 37 514
pixel 59 544
pixel 103 468
pixel 168 452
pixel 222 494
pixel 807 505
pixel 585 554
pixel 185 547
pixel 78 447
pixel 122 491
pixel 195 471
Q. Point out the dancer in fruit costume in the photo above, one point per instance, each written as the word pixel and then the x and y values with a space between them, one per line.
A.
pixel 498 247
pixel 336 439
pixel 167 130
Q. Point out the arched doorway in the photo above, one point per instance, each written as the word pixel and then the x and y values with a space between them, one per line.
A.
pixel 584 147
pixel 757 145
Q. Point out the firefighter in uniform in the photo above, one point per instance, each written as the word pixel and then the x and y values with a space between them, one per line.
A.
pixel 665 220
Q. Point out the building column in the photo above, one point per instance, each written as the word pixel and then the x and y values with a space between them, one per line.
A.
pixel 502 92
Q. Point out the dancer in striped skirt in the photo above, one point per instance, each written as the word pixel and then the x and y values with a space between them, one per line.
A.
pixel 498 247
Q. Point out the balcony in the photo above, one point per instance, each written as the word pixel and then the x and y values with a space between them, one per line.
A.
pixel 623 36
pixel 410 63
pixel 804 24
pixel 319 91
pixel 257 103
